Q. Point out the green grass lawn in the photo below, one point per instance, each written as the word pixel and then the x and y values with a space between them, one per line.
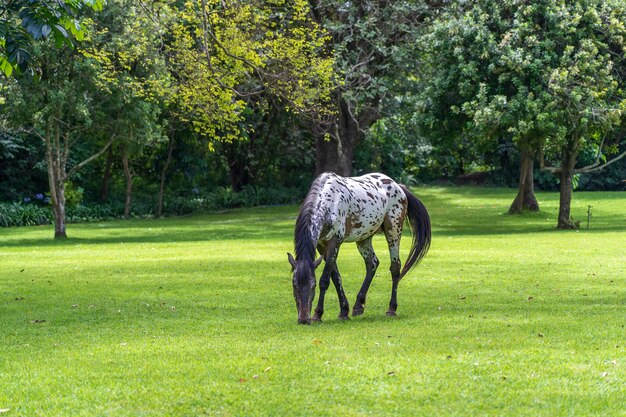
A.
pixel 194 316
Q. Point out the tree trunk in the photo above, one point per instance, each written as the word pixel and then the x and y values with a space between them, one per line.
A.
pixel 335 152
pixel 129 184
pixel 106 177
pixel 59 212
pixel 525 198
pixel 566 175
pixel 57 197
pixel 168 161
pixel 239 163
pixel 56 179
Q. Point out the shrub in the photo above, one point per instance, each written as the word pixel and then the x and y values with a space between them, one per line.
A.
pixel 33 213
pixel 20 214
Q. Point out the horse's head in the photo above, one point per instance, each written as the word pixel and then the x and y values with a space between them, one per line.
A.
pixel 304 286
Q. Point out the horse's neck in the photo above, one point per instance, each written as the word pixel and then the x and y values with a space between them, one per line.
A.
pixel 308 228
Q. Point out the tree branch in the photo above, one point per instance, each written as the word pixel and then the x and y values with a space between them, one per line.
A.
pixel 88 160
pixel 552 170
pixel 206 33
pixel 595 167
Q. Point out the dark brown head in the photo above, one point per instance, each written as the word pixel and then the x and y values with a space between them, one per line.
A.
pixel 304 283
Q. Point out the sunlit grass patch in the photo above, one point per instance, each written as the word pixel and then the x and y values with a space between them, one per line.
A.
pixel 195 316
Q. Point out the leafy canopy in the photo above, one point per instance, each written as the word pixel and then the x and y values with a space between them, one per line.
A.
pixel 535 72
pixel 22 21
pixel 223 54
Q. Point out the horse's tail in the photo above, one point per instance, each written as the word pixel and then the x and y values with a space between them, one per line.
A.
pixel 419 222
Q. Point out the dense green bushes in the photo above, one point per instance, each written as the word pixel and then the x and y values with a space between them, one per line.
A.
pixel 29 213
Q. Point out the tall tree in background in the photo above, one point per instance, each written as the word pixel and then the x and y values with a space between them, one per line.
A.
pixel 57 106
pixel 223 53
pixel 589 100
pixel 542 72
pixel 126 47
pixel 236 64
pixel 373 44
pixel 484 79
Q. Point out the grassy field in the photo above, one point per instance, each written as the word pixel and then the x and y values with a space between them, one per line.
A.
pixel 506 316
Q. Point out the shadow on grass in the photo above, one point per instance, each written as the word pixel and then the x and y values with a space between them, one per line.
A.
pixel 258 224
pixel 474 211
pixel 454 211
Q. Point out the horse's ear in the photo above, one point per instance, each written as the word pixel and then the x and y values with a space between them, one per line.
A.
pixel 291 261
pixel 317 262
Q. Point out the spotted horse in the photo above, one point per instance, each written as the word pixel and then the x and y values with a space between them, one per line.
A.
pixel 338 210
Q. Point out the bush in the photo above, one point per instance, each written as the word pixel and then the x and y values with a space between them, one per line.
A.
pixel 32 213
pixel 20 214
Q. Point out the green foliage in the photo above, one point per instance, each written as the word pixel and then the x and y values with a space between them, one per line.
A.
pixel 20 214
pixel 22 172
pixel 194 316
pixel 73 194
pixel 57 20
pixel 542 74
pixel 392 147
pixel 222 55
pixel 33 213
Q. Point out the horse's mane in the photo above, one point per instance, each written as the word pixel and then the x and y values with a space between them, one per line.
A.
pixel 303 240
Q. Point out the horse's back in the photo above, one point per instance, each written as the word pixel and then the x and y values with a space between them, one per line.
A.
pixel 357 207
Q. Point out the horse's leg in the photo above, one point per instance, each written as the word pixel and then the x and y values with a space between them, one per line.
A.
pixel 324 283
pixel 344 305
pixel 393 234
pixel 371 263
pixel 329 252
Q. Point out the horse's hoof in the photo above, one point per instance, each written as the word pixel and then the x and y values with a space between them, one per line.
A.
pixel 316 318
pixel 343 318
pixel 357 311
pixel 391 313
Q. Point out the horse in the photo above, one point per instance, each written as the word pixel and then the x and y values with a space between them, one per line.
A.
pixel 352 209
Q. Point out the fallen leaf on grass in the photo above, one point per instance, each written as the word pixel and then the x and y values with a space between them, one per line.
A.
pixel 391 373
pixel 37 321
pixel 317 342
pixel 267 369
pixel 19 298
pixel 255 377
pixel 540 334
pixel 242 380
pixel 3 410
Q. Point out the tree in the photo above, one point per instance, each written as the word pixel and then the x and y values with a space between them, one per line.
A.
pixel 85 99
pixel 59 20
pixel 483 80
pixel 373 44
pixel 223 53
pixel 125 47
pixel 537 72
pixel 587 106
pixel 57 107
